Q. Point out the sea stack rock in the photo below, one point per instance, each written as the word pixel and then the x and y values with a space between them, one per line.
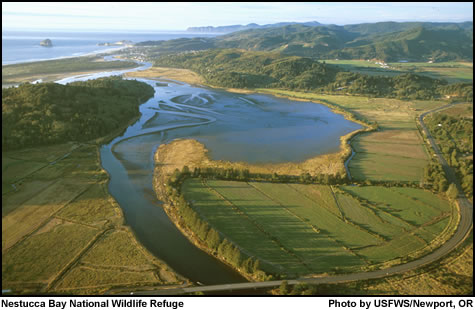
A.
pixel 46 43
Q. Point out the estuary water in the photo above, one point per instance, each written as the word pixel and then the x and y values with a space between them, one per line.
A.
pixel 253 128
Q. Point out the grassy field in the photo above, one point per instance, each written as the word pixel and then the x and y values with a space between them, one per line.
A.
pixel 51 70
pixel 393 153
pixel 315 229
pixel 453 72
pixel 183 75
pixel 115 260
pixel 41 256
pixel 62 232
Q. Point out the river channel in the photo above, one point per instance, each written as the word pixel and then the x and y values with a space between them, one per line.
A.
pixel 253 128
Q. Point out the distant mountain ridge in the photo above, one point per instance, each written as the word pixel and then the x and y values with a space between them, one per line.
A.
pixel 234 28
pixel 386 41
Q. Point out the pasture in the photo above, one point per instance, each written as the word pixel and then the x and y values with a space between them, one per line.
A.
pixel 62 232
pixel 300 229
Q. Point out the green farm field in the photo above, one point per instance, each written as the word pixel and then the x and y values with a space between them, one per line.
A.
pixel 298 229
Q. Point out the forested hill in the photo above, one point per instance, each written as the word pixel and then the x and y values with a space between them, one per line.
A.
pixel 245 69
pixel 388 41
pixel 384 41
pixel 48 113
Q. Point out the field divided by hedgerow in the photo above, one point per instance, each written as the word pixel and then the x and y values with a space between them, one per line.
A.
pixel 302 229
pixel 293 233
pixel 330 225
pixel 398 204
pixel 230 223
pixel 422 214
pixel 367 218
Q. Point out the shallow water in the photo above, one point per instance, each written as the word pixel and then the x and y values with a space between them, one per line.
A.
pixel 253 128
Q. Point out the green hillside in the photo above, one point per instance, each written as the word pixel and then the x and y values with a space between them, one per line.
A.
pixel 387 41
pixel 247 69
pixel 384 41
pixel 47 113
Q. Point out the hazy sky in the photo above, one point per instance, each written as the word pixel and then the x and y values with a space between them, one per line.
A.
pixel 180 15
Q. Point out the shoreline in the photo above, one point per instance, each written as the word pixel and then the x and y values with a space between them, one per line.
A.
pixel 86 54
pixel 37 72
pixel 345 149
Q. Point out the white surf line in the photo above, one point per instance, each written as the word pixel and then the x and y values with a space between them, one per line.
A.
pixel 246 100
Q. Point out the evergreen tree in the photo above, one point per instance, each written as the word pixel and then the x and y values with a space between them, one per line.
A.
pixel 212 239
pixel 284 288
pixel 452 192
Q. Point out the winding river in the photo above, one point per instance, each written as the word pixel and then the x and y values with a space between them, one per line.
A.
pixel 253 128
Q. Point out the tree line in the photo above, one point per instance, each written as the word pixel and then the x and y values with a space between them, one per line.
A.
pixel 455 137
pixel 218 245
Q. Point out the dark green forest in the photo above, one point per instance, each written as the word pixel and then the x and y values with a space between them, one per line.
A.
pixel 462 91
pixel 48 113
pixel 247 69
pixel 455 137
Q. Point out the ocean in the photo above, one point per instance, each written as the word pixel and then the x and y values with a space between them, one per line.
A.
pixel 24 46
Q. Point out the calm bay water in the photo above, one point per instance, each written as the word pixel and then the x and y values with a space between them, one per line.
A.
pixel 22 46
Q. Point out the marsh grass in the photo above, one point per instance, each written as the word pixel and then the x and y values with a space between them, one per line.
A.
pixel 117 248
pixel 56 215
pixel 41 256
pixel 83 277
pixel 183 75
